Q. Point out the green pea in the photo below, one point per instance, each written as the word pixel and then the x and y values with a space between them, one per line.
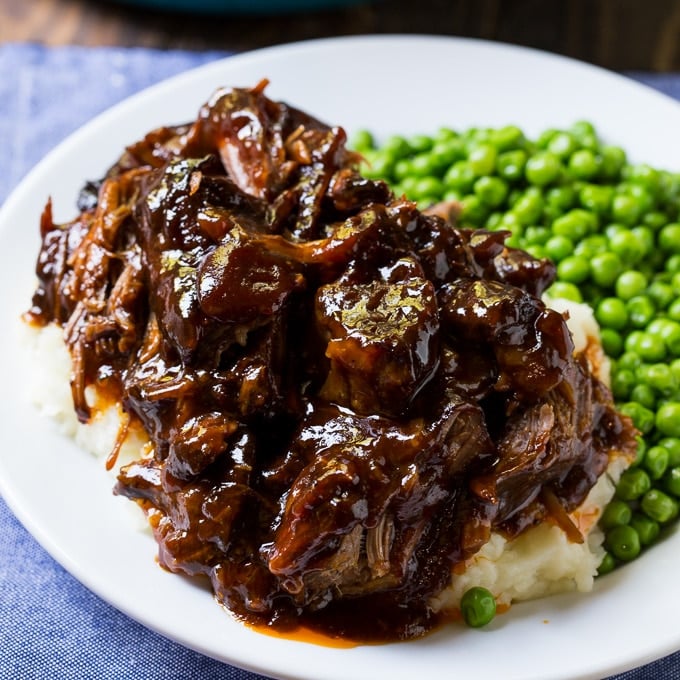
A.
pixel 460 176
pixel 671 481
pixel 607 565
pixel 528 206
pixel 482 159
pixel 565 291
pixel 611 312
pixel 506 138
pixel 543 168
pixel 659 506
pixel 575 224
pixel 558 247
pixel 647 529
pixel 472 210
pixel 622 382
pixel 672 445
pixel 573 269
pixel 510 165
pixel 617 513
pixel 641 311
pixel 596 198
pixel 612 342
pixel 605 268
pixel 623 542
pixel 647 346
pixel 630 283
pixel 478 607
pixel 645 395
pixel 613 158
pixel 624 244
pixel 656 462
pixel 583 164
pixel 668 419
pixel 492 191
pixel 669 238
pixel 633 484
pixel 661 293
pixel 537 234
pixel 626 209
pixel 643 418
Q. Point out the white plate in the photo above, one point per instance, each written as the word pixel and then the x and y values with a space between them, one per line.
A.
pixel 387 84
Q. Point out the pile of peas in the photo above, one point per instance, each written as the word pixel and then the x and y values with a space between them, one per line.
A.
pixel 613 230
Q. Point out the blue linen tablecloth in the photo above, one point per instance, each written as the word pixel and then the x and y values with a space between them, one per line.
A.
pixel 50 625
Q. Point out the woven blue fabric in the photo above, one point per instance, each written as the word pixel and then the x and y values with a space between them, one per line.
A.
pixel 51 627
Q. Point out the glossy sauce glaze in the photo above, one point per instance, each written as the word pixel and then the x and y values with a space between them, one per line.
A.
pixel 344 395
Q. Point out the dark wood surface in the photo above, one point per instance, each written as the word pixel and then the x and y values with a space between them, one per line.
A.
pixel 617 34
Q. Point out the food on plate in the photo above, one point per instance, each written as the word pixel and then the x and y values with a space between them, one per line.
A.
pixel 337 407
pixel 611 227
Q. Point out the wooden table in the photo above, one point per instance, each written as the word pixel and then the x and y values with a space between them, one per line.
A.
pixel 617 34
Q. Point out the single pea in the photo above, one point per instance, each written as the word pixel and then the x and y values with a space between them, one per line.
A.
pixel 668 419
pixel 647 346
pixel 630 283
pixel 362 140
pixel 562 144
pixel 427 186
pixel 558 247
pixel 671 481
pixel 642 197
pixel 640 451
pixel 460 176
pixel 607 565
pixel 612 342
pixel 537 234
pixel 605 268
pixel 596 198
pixel 669 238
pixel 626 209
pixel 659 377
pixel 562 197
pixel 656 462
pixel 573 269
pixel 613 158
pixel 537 250
pixel 510 165
pixel 673 310
pixel 493 221
pixel 423 165
pixel 623 542
pixel 662 293
pixel 446 152
pixel 672 264
pixel 492 191
pixel 659 506
pixel 575 224
pixel 397 146
pixel 646 176
pixel 633 484
pixel 611 312
pixel 472 210
pixel 622 382
pixel 645 395
pixel 506 138
pixel 643 418
pixel 628 248
pixel 617 513
pixel 641 311
pixel 529 206
pixel 583 129
pixel 564 290
pixel 654 219
pixel 583 164
pixel 482 159
pixel 647 529
pixel 592 245
pixel 672 445
pixel 478 607
pixel 543 168
pixel 629 360
pixel 545 137
pixel 645 239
